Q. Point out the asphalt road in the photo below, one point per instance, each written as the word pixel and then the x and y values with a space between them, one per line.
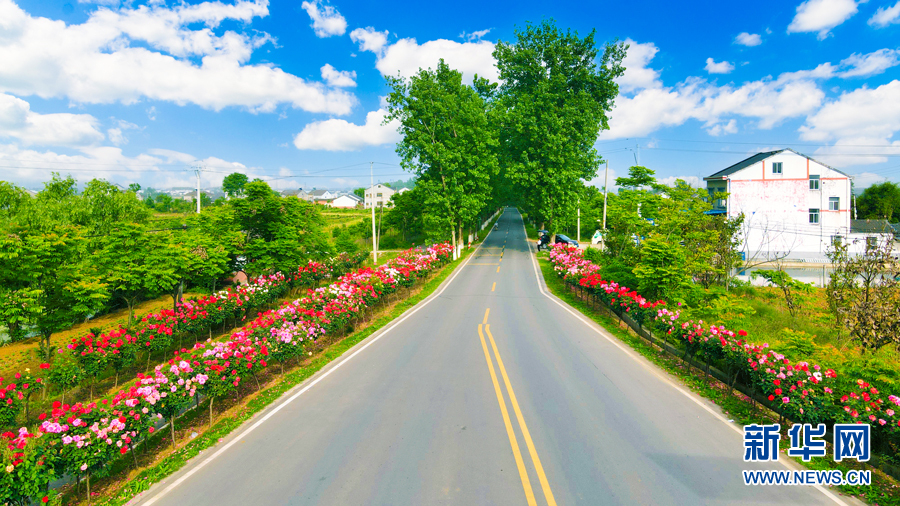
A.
pixel 492 392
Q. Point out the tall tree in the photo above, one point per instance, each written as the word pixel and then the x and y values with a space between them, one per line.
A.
pixel 233 184
pixel 448 143
pixel 880 201
pixel 555 96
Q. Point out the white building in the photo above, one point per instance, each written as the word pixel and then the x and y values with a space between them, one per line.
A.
pixel 380 195
pixel 348 201
pixel 793 206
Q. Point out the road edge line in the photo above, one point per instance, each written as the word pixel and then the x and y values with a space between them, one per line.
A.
pixel 655 370
pixel 303 389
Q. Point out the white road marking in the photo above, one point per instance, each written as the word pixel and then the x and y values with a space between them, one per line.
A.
pixel 657 372
pixel 313 383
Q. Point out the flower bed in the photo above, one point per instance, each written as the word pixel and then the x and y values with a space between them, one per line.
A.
pixel 801 392
pixel 82 439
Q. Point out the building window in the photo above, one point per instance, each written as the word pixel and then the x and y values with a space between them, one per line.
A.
pixel 813 182
pixel 834 203
pixel 837 240
pixel 378 195
pixel 814 216
pixel 776 167
pixel 871 243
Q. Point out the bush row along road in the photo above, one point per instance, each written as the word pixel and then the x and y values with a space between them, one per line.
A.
pixel 490 392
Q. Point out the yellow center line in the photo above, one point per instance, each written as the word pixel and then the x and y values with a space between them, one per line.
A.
pixel 486 313
pixel 498 268
pixel 494 287
pixel 548 494
pixel 520 464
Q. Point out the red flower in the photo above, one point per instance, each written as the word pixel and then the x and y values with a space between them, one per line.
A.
pixel 771 397
pixel 45 366
pixel 45 499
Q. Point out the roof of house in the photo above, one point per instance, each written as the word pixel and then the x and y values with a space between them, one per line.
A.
pixel 871 227
pixel 743 164
pixel 352 196
pixel 319 193
pixel 291 193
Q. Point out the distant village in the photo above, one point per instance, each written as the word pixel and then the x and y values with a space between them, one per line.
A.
pixel 363 198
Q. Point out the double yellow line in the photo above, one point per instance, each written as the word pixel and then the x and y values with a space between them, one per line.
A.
pixel 483 328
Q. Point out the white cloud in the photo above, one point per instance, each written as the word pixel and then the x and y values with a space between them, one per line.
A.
pixel 821 16
pixel 19 122
pixel 885 16
pixel 163 170
pixel 150 52
pixel 748 39
pixel 338 78
pixel 770 101
pixel 474 35
pixel 370 39
pixel 341 135
pixel 861 122
pixel 116 134
pixel 638 74
pixel 859 150
pixel 870 64
pixel 723 128
pixel 864 180
pixel 327 21
pixel 406 56
pixel 722 67
pixel 866 112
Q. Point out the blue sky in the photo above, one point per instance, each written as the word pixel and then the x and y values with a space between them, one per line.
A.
pixel 292 92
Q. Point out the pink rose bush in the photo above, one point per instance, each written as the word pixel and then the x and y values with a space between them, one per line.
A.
pixel 802 392
pixel 82 439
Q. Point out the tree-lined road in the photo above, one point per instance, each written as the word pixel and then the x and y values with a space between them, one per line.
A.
pixel 491 392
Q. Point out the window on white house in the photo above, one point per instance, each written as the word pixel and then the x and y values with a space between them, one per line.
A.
pixel 871 243
pixel 837 240
pixel 814 216
pixel 776 167
pixel 834 203
pixel 378 195
pixel 813 182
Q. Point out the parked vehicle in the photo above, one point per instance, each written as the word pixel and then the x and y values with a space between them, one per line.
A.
pixel 562 239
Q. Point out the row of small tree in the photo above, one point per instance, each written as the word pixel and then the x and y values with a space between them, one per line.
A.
pixel 67 255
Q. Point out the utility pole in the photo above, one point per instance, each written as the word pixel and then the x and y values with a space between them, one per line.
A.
pixel 372 192
pixel 579 220
pixel 638 153
pixel 197 169
pixel 605 194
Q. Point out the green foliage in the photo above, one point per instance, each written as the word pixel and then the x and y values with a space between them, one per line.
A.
pixel 880 201
pixel 788 285
pixel 661 272
pixel 798 344
pixel 234 183
pixel 448 143
pixel 554 98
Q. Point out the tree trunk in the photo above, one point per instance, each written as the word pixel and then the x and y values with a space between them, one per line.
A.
pixel 89 488
pixel 210 411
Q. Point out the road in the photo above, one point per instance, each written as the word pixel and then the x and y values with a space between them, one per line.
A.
pixel 490 392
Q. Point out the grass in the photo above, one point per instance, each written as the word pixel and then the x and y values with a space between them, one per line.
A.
pixel 812 335
pixel 884 491
pixel 125 485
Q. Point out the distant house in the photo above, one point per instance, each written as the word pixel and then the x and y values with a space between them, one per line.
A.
pixel 403 190
pixel 875 232
pixel 322 196
pixel 379 196
pixel 348 201
pixel 299 193
pixel 793 206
